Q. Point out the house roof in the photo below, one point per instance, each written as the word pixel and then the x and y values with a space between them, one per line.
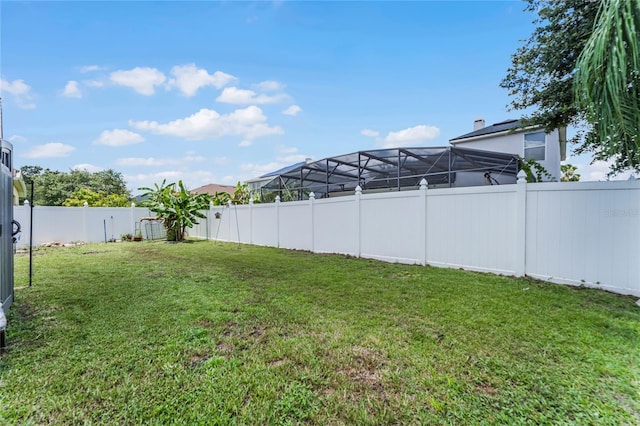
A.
pixel 284 170
pixel 212 188
pixel 494 128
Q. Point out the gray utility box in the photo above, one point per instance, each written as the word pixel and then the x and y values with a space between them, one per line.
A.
pixel 6 225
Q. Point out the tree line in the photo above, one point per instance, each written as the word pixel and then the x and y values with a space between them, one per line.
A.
pixel 106 188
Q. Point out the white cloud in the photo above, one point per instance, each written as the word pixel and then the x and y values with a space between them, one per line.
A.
pixel 269 86
pixel 20 91
pixel 50 150
pixel 245 143
pixel 88 167
pixel 189 78
pixel 152 161
pixel 249 123
pixel 93 83
pixel 118 137
pixel 285 156
pixel 142 80
pixel 192 179
pixel 221 161
pixel 597 171
pixel 409 136
pixel 253 170
pixel 283 149
pixel 369 133
pixel 233 95
pixel 292 110
pixel 72 90
pixel 90 68
pixel 136 161
pixel 16 139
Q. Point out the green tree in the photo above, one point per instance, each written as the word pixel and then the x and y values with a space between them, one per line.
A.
pixel 569 173
pixel 176 206
pixel 241 195
pixel 96 199
pixel 607 84
pixel 53 188
pixel 541 72
pixel 221 198
pixel 541 75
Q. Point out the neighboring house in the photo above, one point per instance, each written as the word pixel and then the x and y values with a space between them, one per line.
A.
pixel 256 183
pixel 214 188
pixel 509 136
pixel 19 187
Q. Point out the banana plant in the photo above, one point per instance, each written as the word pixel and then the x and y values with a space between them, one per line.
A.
pixel 176 206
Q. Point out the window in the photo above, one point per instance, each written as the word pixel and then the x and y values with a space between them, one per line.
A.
pixel 534 146
pixel 6 159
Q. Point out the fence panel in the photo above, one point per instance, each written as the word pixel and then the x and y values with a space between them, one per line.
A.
pixel 295 225
pixel 264 225
pixel 390 227
pixel 585 233
pixel 335 225
pixel 71 224
pixel 472 228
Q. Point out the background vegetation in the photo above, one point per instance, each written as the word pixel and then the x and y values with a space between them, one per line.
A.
pixel 106 188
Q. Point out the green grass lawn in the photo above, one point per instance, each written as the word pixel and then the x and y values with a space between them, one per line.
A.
pixel 211 333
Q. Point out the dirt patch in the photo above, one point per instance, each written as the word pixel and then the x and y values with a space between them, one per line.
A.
pixel 230 328
pixel 205 322
pixel 486 389
pixel 223 347
pixel 369 378
pixel 197 360
pixel 257 332
pixel 366 367
pixel 277 363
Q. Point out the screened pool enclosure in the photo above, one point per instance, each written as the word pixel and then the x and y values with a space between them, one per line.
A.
pixel 393 169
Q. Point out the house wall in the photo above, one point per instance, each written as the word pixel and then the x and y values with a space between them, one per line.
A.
pixel 513 143
pixel 579 233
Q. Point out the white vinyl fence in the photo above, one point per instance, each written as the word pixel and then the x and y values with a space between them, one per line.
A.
pixel 570 232
pixel 70 224
pixel 579 233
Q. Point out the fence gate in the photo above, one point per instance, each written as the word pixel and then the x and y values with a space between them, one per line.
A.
pixel 6 226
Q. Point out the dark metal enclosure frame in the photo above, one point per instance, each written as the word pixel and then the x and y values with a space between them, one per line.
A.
pixel 392 169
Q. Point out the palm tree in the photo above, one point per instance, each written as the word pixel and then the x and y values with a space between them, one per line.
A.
pixel 607 82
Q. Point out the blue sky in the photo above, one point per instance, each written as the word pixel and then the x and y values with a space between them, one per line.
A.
pixel 217 92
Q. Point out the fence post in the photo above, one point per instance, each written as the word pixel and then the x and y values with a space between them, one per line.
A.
pixel 209 223
pixel 132 225
pixel 26 228
pixel 423 221
pixel 359 219
pixel 521 224
pixel 85 220
pixel 312 198
pixel 278 221
pixel 251 220
pixel 229 219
